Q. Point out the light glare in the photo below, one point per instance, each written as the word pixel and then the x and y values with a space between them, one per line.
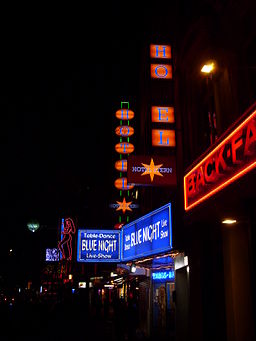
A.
pixel 228 221
pixel 207 68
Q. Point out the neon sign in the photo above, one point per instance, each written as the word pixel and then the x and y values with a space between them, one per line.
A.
pixel 121 183
pixel 163 71
pixel 124 114
pixel 98 246
pixel 148 235
pixel 160 51
pixel 121 165
pixel 124 148
pixel 163 138
pixel 124 206
pixel 233 157
pixel 163 275
pixel 162 114
pixel 124 131
pixel 65 245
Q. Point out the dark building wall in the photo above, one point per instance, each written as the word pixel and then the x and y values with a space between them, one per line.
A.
pixel 221 261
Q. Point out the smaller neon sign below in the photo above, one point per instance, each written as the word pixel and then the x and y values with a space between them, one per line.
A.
pixel 163 275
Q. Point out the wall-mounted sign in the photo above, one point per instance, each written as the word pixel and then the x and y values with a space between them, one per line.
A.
pixel 162 114
pixel 121 183
pixel 148 235
pixel 163 71
pixel 121 165
pixel 124 148
pixel 233 157
pixel 168 275
pixel 124 114
pixel 124 131
pixel 98 246
pixel 163 138
pixel 52 255
pixel 152 170
pixel 160 51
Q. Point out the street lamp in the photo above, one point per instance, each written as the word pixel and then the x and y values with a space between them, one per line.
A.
pixel 208 69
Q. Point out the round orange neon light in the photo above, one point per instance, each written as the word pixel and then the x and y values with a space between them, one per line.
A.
pixel 124 131
pixel 124 114
pixel 121 183
pixel 124 148
pixel 121 165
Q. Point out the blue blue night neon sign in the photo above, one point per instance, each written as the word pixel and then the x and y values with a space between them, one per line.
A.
pixel 98 246
pixel 148 235
pixel 163 275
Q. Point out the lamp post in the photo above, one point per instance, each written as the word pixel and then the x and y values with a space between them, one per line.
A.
pixel 208 70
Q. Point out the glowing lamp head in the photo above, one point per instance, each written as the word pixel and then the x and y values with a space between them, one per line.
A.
pixel 133 268
pixel 229 221
pixel 208 68
pixel 33 226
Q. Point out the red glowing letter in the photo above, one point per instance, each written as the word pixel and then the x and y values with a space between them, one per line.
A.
pixel 250 137
pixel 236 143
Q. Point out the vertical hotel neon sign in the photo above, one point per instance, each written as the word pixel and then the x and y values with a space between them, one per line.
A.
pixel 233 157
pixel 123 148
pixel 160 114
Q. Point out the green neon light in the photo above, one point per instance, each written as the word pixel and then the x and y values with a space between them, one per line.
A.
pixel 128 139
pixel 127 219
pixel 128 193
pixel 121 122
pixel 125 103
pixel 120 219
pixel 120 156
pixel 120 174
pixel 120 193
pixel 128 122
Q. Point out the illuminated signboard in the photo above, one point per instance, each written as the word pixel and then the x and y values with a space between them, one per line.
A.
pixel 98 246
pixel 121 165
pixel 162 114
pixel 148 235
pixel 124 131
pixel 152 170
pixel 160 51
pixel 68 229
pixel 121 183
pixel 52 255
pixel 168 275
pixel 124 114
pixel 163 138
pixel 124 148
pixel 233 157
pixel 162 71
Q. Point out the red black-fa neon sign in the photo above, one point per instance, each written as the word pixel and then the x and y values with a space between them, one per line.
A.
pixel 228 161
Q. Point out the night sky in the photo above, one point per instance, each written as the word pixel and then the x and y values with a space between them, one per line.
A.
pixel 64 74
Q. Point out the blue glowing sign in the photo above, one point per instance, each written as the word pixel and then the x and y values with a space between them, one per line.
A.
pixel 148 235
pixel 98 246
pixel 163 275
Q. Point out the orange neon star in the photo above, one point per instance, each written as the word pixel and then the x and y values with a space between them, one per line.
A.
pixel 124 206
pixel 152 169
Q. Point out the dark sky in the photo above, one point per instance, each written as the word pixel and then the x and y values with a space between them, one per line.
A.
pixel 64 73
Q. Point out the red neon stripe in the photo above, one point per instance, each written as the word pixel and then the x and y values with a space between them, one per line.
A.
pixel 217 189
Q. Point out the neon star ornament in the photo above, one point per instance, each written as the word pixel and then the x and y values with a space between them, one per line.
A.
pixel 124 206
pixel 152 170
